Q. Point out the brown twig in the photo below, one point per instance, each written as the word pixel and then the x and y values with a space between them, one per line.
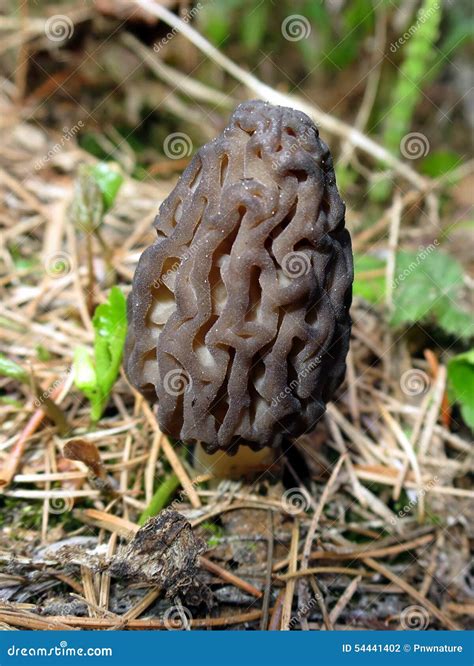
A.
pixel 412 592
pixel 268 576
pixel 290 585
pixel 358 554
pixel 9 468
pixel 64 623
pixel 229 577
pixel 445 406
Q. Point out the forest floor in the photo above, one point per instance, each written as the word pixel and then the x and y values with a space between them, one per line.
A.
pixel 364 525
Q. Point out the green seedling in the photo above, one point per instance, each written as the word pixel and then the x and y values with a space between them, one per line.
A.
pixel 96 376
pixel 95 192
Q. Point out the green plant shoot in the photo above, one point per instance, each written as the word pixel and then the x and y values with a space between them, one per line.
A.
pixel 96 376
pixel 9 368
pixel 461 384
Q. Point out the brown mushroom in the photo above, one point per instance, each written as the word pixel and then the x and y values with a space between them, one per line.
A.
pixel 239 315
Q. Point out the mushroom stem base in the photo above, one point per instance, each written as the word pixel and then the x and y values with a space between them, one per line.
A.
pixel 245 464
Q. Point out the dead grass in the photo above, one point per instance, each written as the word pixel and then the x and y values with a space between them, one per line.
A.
pixel 370 530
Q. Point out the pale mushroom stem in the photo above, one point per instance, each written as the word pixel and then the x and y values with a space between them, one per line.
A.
pixel 246 463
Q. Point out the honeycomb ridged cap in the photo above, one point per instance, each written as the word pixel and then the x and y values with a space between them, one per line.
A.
pixel 239 318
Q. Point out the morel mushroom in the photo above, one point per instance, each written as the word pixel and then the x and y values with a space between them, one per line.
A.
pixel 239 313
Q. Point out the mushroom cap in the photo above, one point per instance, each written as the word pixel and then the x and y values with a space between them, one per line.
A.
pixel 239 318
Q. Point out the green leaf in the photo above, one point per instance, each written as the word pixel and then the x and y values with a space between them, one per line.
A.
pixel 415 291
pixel 461 382
pixel 440 162
pixel 84 371
pixel 427 285
pixel 453 320
pixel 96 377
pixel 9 368
pixel 85 378
pixel 370 287
pixel 110 324
pixel 109 181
